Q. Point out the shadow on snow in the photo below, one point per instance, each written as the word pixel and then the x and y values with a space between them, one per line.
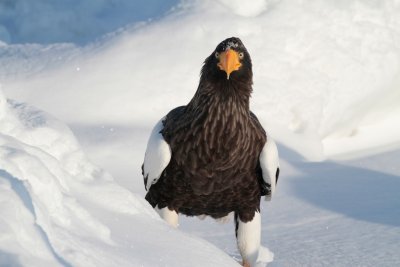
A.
pixel 358 193
pixel 21 191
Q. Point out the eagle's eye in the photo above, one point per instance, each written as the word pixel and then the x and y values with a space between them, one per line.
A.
pixel 216 55
pixel 241 55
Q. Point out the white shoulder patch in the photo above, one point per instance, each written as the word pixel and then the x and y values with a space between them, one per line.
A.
pixel 157 157
pixel 269 162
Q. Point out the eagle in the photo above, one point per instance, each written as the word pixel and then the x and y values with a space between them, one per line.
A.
pixel 212 157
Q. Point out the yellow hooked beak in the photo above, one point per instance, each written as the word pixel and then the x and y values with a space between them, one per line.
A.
pixel 229 62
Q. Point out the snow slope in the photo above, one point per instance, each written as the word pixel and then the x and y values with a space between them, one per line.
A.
pixel 326 80
pixel 58 209
pixel 324 71
pixel 41 21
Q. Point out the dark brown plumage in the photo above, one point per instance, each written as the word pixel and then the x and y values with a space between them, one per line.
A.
pixel 215 142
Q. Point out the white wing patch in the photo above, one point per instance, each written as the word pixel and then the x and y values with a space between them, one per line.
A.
pixel 157 157
pixel 269 162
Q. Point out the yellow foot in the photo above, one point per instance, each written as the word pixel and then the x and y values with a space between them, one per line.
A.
pixel 245 264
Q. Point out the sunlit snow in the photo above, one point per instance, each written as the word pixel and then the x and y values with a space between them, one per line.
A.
pixel 326 87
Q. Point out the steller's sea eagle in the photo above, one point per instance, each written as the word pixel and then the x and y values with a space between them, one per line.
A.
pixel 212 156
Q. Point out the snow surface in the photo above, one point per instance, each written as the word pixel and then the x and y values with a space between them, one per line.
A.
pixel 42 21
pixel 58 209
pixel 325 72
pixel 326 86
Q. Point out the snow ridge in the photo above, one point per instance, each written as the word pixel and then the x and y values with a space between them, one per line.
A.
pixel 55 204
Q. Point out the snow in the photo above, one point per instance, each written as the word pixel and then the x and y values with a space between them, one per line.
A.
pixel 326 79
pixel 54 202
pixel 246 9
pixel 326 70
pixel 41 21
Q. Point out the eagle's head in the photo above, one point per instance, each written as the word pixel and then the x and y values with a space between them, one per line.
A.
pixel 229 62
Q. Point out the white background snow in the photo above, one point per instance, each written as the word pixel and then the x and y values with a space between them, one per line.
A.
pixel 326 87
